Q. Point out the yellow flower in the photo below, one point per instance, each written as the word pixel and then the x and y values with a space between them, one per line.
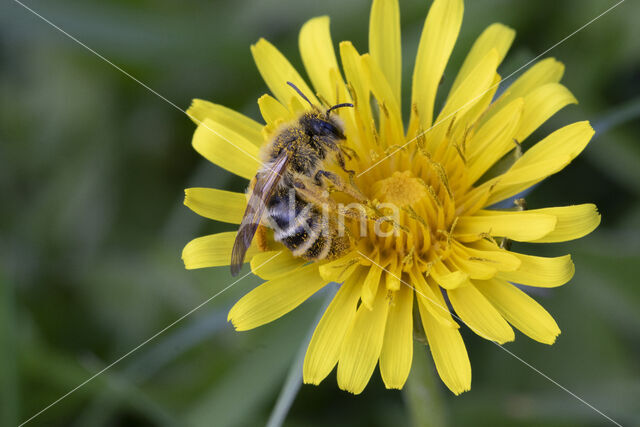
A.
pixel 446 242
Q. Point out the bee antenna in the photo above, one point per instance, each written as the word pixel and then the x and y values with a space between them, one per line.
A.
pixel 344 104
pixel 300 93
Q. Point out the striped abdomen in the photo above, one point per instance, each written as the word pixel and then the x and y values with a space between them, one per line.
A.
pixel 301 227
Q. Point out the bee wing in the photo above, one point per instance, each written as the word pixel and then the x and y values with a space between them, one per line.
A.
pixel 262 191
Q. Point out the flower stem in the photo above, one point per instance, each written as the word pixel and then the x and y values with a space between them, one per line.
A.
pixel 294 377
pixel 422 391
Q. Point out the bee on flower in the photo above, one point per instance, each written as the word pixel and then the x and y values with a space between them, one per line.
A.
pixel 426 236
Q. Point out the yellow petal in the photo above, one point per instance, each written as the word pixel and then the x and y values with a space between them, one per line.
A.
pixel 275 298
pixel 370 285
pixel 474 269
pixel 362 345
pixel 324 348
pixel 545 158
pixel 479 315
pixel 353 70
pixel 519 179
pixel 494 139
pixel 522 226
pixel 212 251
pixel 471 88
pixel 384 42
pixel 490 254
pixel 201 110
pixel 466 95
pixel 546 71
pixel 268 266
pixel 540 104
pixel 540 271
pixel 432 299
pixel 276 71
pixel 495 36
pixel 460 128
pixel 226 148
pixel 219 205
pixel 569 140
pixel 446 278
pixel 272 111
pixel 573 222
pixel 393 274
pixel 520 310
pixel 448 351
pixel 340 269
pixel 390 116
pixel 439 34
pixel 397 347
pixel 318 56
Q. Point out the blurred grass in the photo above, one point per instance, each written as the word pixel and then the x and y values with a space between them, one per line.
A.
pixel 92 169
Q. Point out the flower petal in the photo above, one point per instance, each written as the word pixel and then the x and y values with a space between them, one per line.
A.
pixel 545 158
pixel 573 222
pixel 353 71
pixel 495 36
pixel 275 298
pixel 318 56
pixel 448 352
pixel 362 344
pixel 474 269
pixel 432 298
pixel 397 347
pixel 569 140
pixel 445 278
pixel 212 251
pixel 494 139
pixel 439 34
pixel 226 148
pixel 522 226
pixel 516 180
pixel 384 42
pixel 272 111
pixel 370 285
pixel 390 115
pixel 324 348
pixel 466 95
pixel 393 272
pixel 546 71
pixel 340 269
pixel 520 310
pixel 219 205
pixel 282 264
pixel 201 110
pixel 491 254
pixel 540 271
pixel 479 315
pixel 276 71
pixel 540 104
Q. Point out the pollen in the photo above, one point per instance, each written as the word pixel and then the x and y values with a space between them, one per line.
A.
pixel 401 189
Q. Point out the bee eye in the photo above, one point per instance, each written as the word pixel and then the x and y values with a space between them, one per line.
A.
pixel 324 128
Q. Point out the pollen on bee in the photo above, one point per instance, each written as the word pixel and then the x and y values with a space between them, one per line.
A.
pixel 261 238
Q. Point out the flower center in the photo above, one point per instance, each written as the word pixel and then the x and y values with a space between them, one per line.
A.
pixel 416 210
pixel 400 189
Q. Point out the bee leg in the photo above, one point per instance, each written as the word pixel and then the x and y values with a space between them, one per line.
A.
pixel 320 196
pixel 342 165
pixel 349 152
pixel 339 184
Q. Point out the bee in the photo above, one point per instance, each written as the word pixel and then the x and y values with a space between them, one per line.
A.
pixel 290 188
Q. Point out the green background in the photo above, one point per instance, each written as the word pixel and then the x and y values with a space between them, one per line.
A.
pixel 92 172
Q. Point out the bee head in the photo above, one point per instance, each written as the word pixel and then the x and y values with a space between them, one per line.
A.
pixel 320 124
pixel 323 125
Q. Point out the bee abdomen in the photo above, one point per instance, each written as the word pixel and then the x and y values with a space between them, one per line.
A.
pixel 303 230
